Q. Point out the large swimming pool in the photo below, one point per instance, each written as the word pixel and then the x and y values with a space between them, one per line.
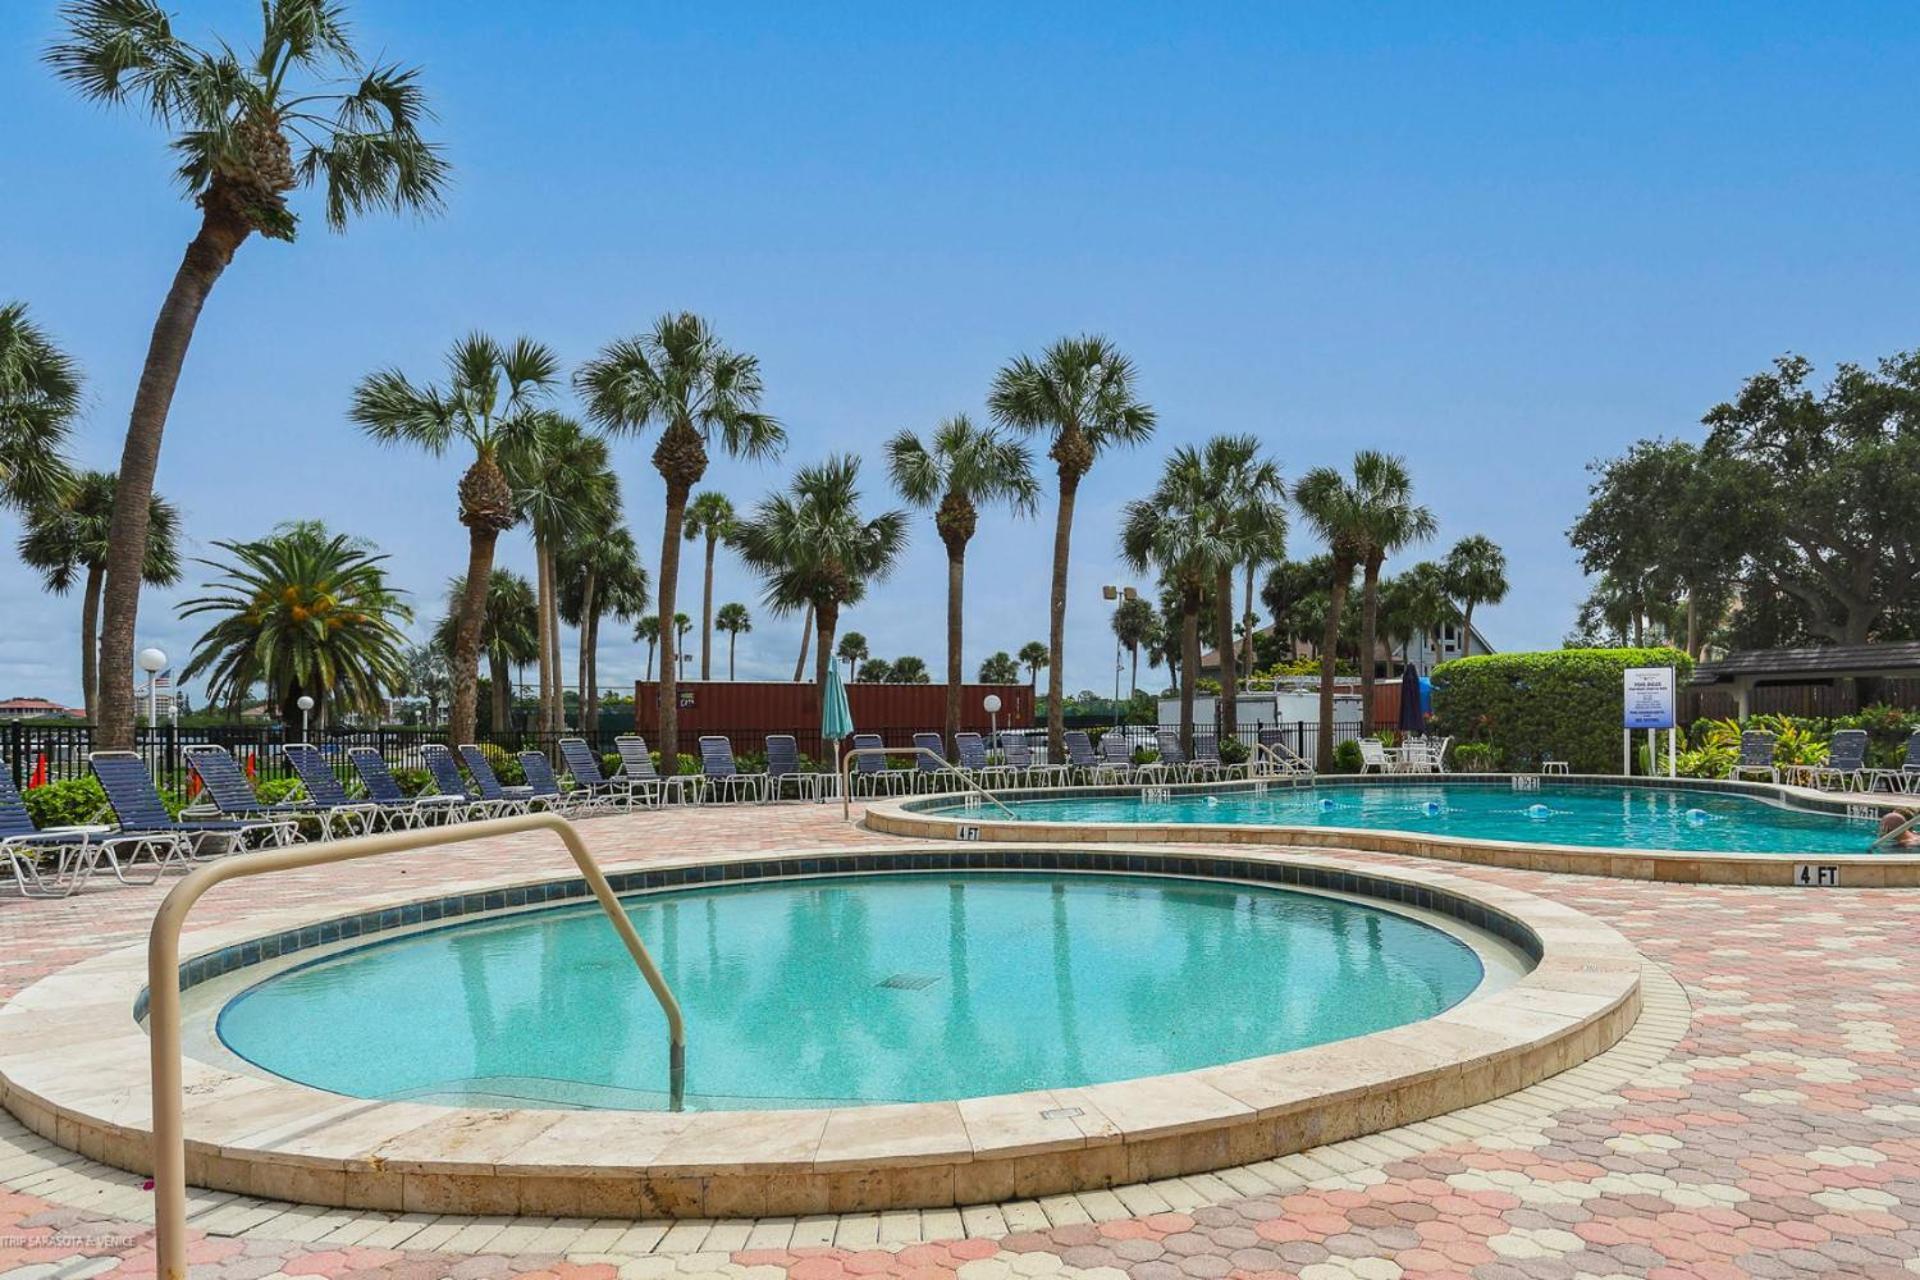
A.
pixel 1611 817
pixel 881 988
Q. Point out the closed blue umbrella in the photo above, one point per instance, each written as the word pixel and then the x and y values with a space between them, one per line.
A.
pixel 1413 711
pixel 836 717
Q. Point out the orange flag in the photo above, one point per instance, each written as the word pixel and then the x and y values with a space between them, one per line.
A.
pixel 39 778
pixel 250 772
pixel 193 785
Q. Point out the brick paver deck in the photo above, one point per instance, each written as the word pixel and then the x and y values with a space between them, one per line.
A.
pixel 1763 1120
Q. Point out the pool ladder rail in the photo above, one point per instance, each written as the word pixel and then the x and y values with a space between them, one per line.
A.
pixel 967 783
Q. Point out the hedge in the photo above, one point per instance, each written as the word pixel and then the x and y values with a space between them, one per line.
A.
pixel 1566 703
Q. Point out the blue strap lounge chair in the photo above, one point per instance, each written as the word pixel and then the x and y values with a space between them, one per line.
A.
pixel 725 780
pixel 972 750
pixel 1116 758
pixel 1756 757
pixel 224 783
pixel 547 792
pixel 1173 762
pixel 1845 767
pixel 1019 753
pixel 875 774
pixel 583 765
pixel 402 809
pixel 636 766
pixel 54 862
pixel 784 769
pixel 1906 776
pixel 1083 763
pixel 340 813
pixel 443 771
pixel 934 771
pixel 506 800
pixel 140 811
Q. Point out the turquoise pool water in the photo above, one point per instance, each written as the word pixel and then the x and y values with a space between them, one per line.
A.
pixel 851 989
pixel 1658 818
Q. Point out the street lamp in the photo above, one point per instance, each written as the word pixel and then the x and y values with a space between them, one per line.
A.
pixel 992 704
pixel 305 703
pixel 1114 595
pixel 152 661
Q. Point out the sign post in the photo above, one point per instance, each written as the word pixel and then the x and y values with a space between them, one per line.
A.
pixel 1648 703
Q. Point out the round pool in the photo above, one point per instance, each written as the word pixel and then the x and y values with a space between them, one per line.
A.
pixel 851 989
pixel 1637 817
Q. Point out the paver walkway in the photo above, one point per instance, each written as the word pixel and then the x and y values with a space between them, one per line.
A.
pixel 1762 1120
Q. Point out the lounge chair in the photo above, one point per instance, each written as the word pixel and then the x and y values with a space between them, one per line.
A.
pixel 1116 758
pixel 1906 776
pixel 1173 765
pixel 401 809
pixel 972 750
pixel 636 767
pixel 935 772
pixel 225 783
pixel 874 772
pixel 340 813
pixel 443 771
pixel 1083 762
pixel 1019 756
pixel 723 774
pixel 140 811
pixel 1756 756
pixel 54 862
pixel 783 767
pixel 1374 757
pixel 508 800
pixel 1206 758
pixel 545 790
pixel 1845 765
pixel 583 764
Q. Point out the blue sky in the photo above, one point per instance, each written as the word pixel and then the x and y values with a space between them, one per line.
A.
pixel 1502 240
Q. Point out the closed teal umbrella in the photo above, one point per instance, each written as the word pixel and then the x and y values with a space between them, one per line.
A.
pixel 836 719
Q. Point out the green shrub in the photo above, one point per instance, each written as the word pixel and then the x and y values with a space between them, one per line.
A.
pixel 412 781
pixel 1234 751
pixel 73 802
pixel 280 791
pixel 1476 757
pixel 1566 703
pixel 1346 756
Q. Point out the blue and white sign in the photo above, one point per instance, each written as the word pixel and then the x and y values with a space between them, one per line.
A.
pixel 1649 698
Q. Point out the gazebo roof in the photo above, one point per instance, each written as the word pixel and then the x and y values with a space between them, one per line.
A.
pixel 1823 662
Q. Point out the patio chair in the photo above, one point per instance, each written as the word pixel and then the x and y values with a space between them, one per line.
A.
pixel 583 764
pixel 1018 752
pixel 402 810
pixel 443 771
pixel 875 773
pixel 1845 766
pixel 1906 776
pixel 1416 755
pixel 783 767
pixel 140 811
pixel 508 800
pixel 1116 758
pixel 1206 758
pixel 546 791
pixel 636 767
pixel 935 772
pixel 1756 756
pixel 724 776
pixel 972 750
pixel 225 784
pixel 1374 757
pixel 339 813
pixel 75 852
pixel 1173 764
pixel 1083 763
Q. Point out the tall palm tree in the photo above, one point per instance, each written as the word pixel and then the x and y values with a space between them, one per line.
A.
pixel 999 668
pixel 954 472
pixel 305 612
pixel 509 633
pixel 1391 521
pixel 1476 573
pixel 1178 532
pixel 648 629
pixel 39 399
pixel 1417 602
pixel 908 670
pixel 1035 657
pixel 301 110
pixel 1135 624
pixel 709 515
pixel 1249 508
pixel 1261 526
pixel 1080 393
pixel 66 538
pixel 681 378
pixel 814 547
pixel 600 575
pixel 564 491
pixel 733 619
pixel 681 625
pixel 1338 513
pixel 853 651
pixel 495 400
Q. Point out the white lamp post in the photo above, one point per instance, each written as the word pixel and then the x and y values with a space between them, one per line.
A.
pixel 992 704
pixel 152 661
pixel 305 703
pixel 1116 595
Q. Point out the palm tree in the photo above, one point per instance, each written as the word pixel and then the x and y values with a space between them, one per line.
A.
pixel 733 619
pixel 39 399
pixel 875 671
pixel 426 677
pixel 600 574
pixel 709 515
pixel 1261 527
pixel 1249 510
pixel 301 110
pixel 66 538
pixel 908 670
pixel 852 650
pixel 509 633
pixel 1338 513
pixel 1000 668
pixel 953 473
pixel 1035 657
pixel 1134 625
pixel 681 625
pixel 1080 393
pixel 495 400
pixel 1416 603
pixel 564 491
pixel 648 629
pixel 1391 520
pixel 680 378
pixel 305 612
pixel 1179 532
pixel 1476 573
pixel 814 547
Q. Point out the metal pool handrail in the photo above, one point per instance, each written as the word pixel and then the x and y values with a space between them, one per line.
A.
pixel 846 776
pixel 163 985
pixel 1285 764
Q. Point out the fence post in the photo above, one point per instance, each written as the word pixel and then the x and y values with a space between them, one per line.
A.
pixel 16 745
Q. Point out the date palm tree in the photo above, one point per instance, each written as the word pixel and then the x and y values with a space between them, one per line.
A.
pixel 1080 394
pixel 853 651
pixel 710 515
pixel 1035 657
pixel 648 629
pixel 814 546
pixel 66 539
pixel 1392 521
pixel 1476 573
pixel 306 612
pixel 600 576
pixel 509 633
pixel 39 399
pixel 954 472
pixel 1179 532
pixel 733 619
pixel 496 401
pixel 1135 624
pixel 680 378
pixel 1337 511
pixel 302 109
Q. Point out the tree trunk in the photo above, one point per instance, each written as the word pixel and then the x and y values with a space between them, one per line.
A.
pixel 706 615
pixel 1246 649
pixel 1466 622
pixel 956 582
pixel 90 640
pixel 669 725
pixel 502 693
pixel 1057 617
pixel 466 639
pixel 1229 717
pixel 1369 619
pixel 1133 681
pixel 589 641
pixel 1189 665
pixel 731 637
pixel 827 615
pixel 806 639
pixel 650 648
pixel 547 657
pixel 1693 626
pixel 1336 601
pixel 207 256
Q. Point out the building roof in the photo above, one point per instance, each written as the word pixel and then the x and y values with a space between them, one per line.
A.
pixel 34 707
pixel 1825 661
